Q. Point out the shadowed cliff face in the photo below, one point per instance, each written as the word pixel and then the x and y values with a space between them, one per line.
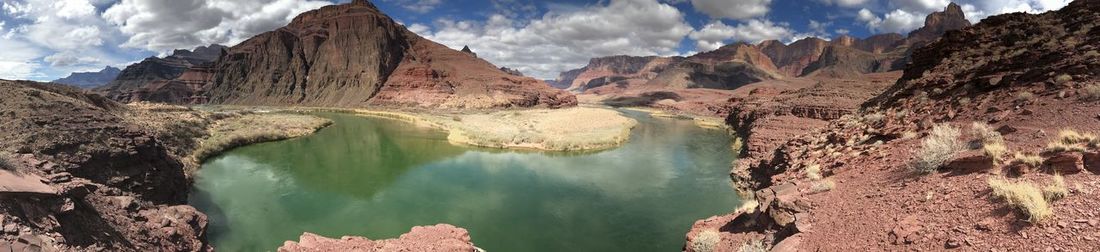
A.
pixel 352 55
pixel 154 79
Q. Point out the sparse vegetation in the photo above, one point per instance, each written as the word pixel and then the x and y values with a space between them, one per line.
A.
pixel 1032 160
pixel 1057 190
pixel 1070 140
pixel 813 172
pixel 705 241
pixel 1091 92
pixel 823 186
pixel 5 162
pixel 1024 96
pixel 753 246
pixel 942 143
pixel 1063 79
pixel 988 140
pixel 1023 196
pixel 256 128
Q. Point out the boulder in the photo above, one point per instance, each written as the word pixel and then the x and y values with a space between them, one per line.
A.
pixel 969 162
pixel 790 244
pixel 441 237
pixel 1092 161
pixel 1066 163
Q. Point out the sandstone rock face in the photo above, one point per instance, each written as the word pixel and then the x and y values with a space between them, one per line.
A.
pixel 938 23
pixel 94 161
pixel 89 80
pixel 606 70
pixel 729 67
pixel 151 79
pixel 440 237
pixel 792 59
pixel 352 55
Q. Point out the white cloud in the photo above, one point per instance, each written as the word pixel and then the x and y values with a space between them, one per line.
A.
pixel 714 35
pixel 845 3
pixel 740 9
pixel 566 37
pixel 419 6
pixel 17 59
pixel 164 25
pixel 907 15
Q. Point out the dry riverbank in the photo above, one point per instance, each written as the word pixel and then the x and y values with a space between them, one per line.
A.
pixel 572 129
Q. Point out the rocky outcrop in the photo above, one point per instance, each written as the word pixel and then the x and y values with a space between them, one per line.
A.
pixel 152 78
pixel 729 67
pixel 794 58
pixel 88 80
pixel 848 62
pixel 615 69
pixel 853 175
pixel 77 176
pixel 512 71
pixel 353 55
pixel 441 237
pixel 938 23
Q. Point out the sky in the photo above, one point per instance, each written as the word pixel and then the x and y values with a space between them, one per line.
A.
pixel 48 39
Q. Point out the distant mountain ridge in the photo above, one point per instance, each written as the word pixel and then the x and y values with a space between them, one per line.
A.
pixel 87 80
pixel 738 64
pixel 152 78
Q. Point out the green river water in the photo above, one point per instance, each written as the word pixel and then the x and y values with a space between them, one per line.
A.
pixel 378 178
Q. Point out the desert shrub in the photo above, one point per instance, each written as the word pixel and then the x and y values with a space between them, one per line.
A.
pixel 1063 79
pixel 1091 92
pixel 5 162
pixel 753 246
pixel 874 119
pixel 1032 160
pixel 1070 140
pixel 990 141
pixel 823 186
pixel 1024 96
pixel 1056 190
pixel 1092 54
pixel 1024 197
pixel 813 172
pixel 937 148
pixel 705 241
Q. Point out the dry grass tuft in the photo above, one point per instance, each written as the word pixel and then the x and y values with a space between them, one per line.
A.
pixel 813 172
pixel 1024 96
pixel 823 186
pixel 1063 79
pixel 753 246
pixel 1091 92
pixel 705 241
pixel 942 143
pixel 990 141
pixel 1070 140
pixel 1035 161
pixel 1023 196
pixel 1057 190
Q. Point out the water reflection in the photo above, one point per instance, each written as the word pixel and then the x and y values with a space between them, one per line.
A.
pixel 378 178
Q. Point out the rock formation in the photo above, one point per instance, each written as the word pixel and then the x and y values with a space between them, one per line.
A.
pixel 615 69
pixel 88 80
pixel 155 79
pixel 1025 75
pixel 440 237
pixel 353 55
pixel 74 175
pixel 729 67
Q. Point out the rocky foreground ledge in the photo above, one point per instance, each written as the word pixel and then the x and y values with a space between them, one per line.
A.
pixel 441 237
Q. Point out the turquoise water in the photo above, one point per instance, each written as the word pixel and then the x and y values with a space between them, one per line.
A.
pixel 378 178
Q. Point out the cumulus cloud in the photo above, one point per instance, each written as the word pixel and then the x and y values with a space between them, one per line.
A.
pixel 567 37
pixel 715 34
pixel 419 6
pixel 845 3
pixel 908 15
pixel 163 25
pixel 741 9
